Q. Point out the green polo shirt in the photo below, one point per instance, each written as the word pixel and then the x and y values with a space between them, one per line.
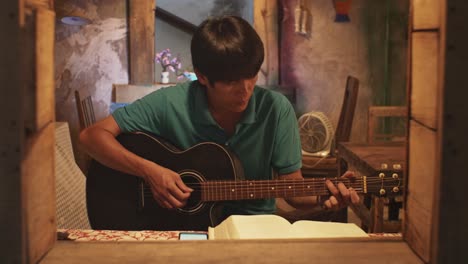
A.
pixel 266 138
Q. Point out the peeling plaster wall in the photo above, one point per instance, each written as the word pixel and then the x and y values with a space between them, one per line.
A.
pixel 317 64
pixel 90 59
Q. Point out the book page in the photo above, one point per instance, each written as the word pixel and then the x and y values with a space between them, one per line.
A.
pixel 317 229
pixel 225 230
pixel 274 226
pixel 250 227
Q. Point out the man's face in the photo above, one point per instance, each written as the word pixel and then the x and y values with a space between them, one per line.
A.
pixel 231 96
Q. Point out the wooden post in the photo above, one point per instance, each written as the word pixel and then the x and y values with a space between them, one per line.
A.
pixel 27 190
pixel 450 231
pixel 141 41
pixel 11 240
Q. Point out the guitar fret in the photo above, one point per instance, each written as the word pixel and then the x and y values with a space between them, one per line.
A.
pixel 216 190
pixel 252 194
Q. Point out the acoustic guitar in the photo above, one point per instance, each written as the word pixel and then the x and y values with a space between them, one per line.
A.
pixel 119 201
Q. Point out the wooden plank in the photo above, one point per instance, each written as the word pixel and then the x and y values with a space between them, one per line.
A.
pixel 141 42
pixel 38 192
pixel 419 198
pixel 426 14
pixel 12 242
pixel 28 71
pixel 39 75
pixel 253 251
pixel 450 228
pixel 38 113
pixel 266 25
pixel 44 68
pixel 425 63
pixel 127 93
pixel 44 4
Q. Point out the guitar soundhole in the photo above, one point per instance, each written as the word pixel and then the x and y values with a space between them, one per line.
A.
pixel 192 180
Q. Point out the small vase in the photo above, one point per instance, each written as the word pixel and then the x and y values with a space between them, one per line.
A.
pixel 165 77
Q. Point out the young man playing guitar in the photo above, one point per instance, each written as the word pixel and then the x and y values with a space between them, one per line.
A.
pixel 223 106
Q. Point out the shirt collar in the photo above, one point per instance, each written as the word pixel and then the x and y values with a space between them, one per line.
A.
pixel 202 114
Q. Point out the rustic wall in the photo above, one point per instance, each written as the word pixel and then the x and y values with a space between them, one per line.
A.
pixel 90 59
pixel 317 64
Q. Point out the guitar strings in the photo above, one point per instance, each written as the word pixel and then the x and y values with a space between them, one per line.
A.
pixel 315 186
pixel 298 182
pixel 287 183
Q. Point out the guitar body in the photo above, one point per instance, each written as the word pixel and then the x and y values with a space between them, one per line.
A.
pixel 117 201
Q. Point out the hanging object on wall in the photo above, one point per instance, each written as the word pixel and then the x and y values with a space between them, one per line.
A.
pixel 342 10
pixel 301 18
pixel 69 13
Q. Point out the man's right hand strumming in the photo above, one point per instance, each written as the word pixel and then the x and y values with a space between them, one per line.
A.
pixel 167 187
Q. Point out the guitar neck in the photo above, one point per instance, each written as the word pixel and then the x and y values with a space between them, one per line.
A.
pixel 262 189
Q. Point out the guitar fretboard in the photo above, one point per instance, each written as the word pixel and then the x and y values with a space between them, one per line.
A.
pixel 262 189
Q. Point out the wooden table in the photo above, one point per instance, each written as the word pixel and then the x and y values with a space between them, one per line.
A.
pixel 270 251
pixel 376 161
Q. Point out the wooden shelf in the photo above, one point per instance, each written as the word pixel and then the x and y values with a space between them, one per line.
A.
pixel 128 93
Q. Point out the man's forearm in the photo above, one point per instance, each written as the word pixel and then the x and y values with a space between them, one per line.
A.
pixel 102 146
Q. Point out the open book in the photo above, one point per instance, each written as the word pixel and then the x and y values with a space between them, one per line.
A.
pixel 273 226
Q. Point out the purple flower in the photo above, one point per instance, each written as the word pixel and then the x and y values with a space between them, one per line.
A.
pixel 164 58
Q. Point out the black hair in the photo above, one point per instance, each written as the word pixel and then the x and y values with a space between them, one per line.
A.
pixel 226 48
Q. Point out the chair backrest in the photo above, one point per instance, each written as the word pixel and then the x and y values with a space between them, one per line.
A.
pixel 377 133
pixel 345 122
pixel 85 110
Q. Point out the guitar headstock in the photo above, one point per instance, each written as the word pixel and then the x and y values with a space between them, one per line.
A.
pixel 387 183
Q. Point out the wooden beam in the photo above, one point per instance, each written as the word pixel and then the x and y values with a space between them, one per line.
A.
pixel 27 196
pixel 11 135
pixel 209 252
pixel 451 216
pixel 37 166
pixel 424 86
pixel 426 14
pixel 424 129
pixel 38 193
pixel 141 41
pixel 422 173
pixel 39 47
